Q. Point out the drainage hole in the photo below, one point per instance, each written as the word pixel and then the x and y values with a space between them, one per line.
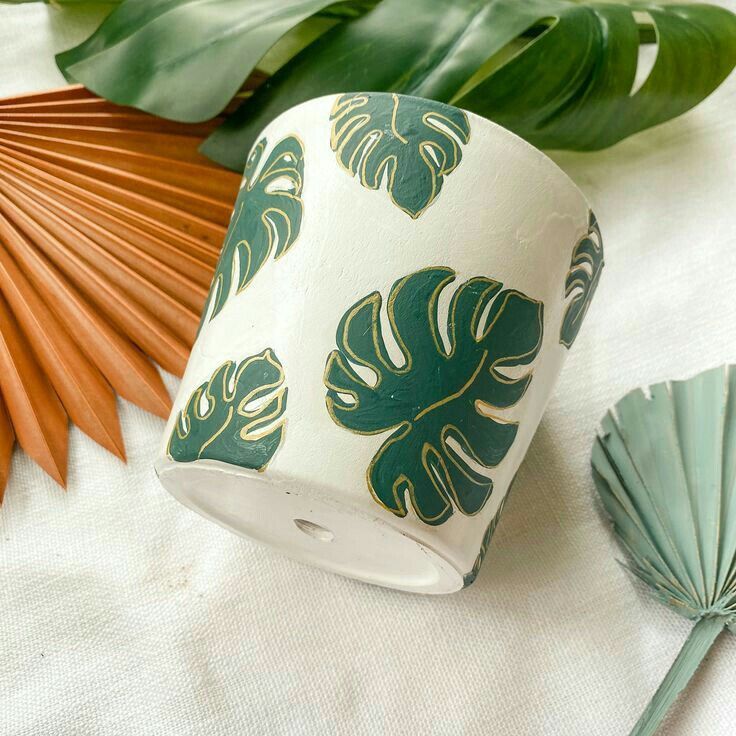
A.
pixel 314 530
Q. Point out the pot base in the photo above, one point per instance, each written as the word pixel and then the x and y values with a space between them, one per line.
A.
pixel 313 530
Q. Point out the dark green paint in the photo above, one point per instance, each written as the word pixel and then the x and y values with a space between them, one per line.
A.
pixel 586 266
pixel 436 400
pixel 413 143
pixel 557 73
pixel 267 217
pixel 240 422
pixel 470 577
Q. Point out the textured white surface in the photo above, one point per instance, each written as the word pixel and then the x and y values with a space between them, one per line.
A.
pixel 353 241
pixel 123 613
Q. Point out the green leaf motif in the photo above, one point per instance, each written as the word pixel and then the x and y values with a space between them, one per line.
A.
pixel 414 143
pixel 235 416
pixel 266 218
pixel 582 281
pixel 469 577
pixel 440 403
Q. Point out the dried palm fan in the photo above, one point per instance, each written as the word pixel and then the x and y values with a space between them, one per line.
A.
pixel 665 468
pixel 110 227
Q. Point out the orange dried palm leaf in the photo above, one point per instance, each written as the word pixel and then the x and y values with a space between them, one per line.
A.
pixel 128 371
pixel 174 282
pixel 176 237
pixel 7 442
pixel 197 226
pixel 52 233
pixel 143 327
pixel 39 420
pixel 85 394
pixel 111 224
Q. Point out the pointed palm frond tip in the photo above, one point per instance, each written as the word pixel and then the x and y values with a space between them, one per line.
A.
pixel 665 469
pixel 664 465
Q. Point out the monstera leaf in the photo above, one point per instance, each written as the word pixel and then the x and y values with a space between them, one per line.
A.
pixel 470 577
pixel 267 217
pixel 182 59
pixel 234 417
pixel 559 73
pixel 413 143
pixel 582 281
pixel 439 403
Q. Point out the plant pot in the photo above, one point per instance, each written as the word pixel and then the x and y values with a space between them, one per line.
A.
pixel 397 293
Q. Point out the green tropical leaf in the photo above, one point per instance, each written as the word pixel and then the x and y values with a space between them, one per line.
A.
pixel 266 218
pixel 585 271
pixel 413 143
pixel 63 2
pixel 440 403
pixel 556 72
pixel 181 59
pixel 235 417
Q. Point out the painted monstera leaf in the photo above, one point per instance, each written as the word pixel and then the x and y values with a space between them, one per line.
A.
pixel 440 400
pixel 236 416
pixel 266 219
pixel 413 143
pixel 582 280
pixel 470 577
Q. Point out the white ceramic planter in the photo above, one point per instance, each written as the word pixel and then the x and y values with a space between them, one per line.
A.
pixel 396 295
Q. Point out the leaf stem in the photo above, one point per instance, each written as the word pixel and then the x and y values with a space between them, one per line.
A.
pixel 696 646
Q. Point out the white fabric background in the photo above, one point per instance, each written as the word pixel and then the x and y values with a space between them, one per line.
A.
pixel 123 613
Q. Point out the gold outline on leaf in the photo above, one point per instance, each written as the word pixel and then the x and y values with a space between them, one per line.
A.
pixel 340 137
pixel 250 180
pixel 579 282
pixel 432 460
pixel 224 375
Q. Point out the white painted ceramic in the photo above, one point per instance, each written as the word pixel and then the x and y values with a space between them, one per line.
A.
pixel 397 293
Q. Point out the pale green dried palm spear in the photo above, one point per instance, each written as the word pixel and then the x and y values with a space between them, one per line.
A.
pixel 665 468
